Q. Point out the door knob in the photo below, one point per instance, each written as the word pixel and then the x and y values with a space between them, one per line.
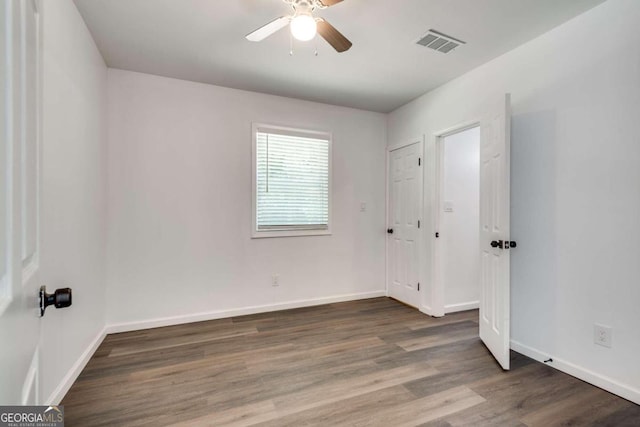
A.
pixel 390 230
pixel 60 298
pixel 497 244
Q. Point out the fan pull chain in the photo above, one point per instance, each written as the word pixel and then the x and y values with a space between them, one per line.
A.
pixel 315 41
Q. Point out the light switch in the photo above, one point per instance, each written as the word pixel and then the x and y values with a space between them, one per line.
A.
pixel 448 206
pixel 363 206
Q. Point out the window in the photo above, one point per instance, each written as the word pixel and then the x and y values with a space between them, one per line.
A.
pixel 291 182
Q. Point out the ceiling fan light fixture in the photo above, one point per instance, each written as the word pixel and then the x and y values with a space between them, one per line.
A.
pixel 303 27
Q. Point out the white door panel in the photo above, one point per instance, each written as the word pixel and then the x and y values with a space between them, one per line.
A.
pixel 405 199
pixel 20 127
pixel 494 230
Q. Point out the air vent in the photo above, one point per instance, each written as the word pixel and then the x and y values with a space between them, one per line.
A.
pixel 441 42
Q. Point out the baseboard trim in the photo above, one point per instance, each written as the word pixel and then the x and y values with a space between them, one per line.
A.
pixel 605 383
pixel 464 306
pixel 59 392
pixel 221 314
pixel 429 311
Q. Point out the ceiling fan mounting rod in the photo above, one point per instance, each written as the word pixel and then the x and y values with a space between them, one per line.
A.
pixel 307 5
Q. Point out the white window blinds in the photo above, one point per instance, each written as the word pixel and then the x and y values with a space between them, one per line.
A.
pixel 292 180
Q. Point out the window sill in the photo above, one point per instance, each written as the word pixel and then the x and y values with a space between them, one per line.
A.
pixel 288 233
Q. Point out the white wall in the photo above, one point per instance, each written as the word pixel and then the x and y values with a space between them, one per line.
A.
pixel 74 191
pixel 179 245
pixel 459 227
pixel 575 199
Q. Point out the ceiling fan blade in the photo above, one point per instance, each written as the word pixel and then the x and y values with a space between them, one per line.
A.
pixel 333 36
pixel 328 3
pixel 269 29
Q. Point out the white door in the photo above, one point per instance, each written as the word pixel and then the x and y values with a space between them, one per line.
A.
pixel 405 202
pixel 19 202
pixel 495 129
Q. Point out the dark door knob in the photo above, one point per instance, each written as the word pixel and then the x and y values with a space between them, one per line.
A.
pixel 61 298
pixel 390 230
pixel 497 244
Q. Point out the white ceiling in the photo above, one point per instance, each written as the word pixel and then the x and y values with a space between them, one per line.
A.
pixel 203 41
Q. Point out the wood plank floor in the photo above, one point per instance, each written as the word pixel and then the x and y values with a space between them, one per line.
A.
pixel 365 363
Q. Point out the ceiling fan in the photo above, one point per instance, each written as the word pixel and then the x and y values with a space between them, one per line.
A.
pixel 304 26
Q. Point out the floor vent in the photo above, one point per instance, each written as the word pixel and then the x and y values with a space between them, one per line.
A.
pixel 441 42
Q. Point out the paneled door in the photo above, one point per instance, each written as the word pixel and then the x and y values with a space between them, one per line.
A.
pixel 403 232
pixel 495 243
pixel 20 61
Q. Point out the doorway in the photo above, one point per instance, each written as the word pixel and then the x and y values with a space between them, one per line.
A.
pixel 458 218
pixel 493 242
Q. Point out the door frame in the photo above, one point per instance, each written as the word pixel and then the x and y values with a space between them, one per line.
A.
pixel 438 308
pixel 421 276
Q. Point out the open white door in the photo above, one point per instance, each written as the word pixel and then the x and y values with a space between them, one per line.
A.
pixel 495 129
pixel 19 202
pixel 404 211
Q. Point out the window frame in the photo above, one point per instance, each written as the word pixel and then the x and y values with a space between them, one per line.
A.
pixel 289 231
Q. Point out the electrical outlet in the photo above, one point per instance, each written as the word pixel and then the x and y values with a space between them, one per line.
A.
pixel 602 335
pixel 275 280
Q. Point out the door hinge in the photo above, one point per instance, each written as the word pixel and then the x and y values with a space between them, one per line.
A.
pixel 418 285
pixel 437 235
pixel 419 161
